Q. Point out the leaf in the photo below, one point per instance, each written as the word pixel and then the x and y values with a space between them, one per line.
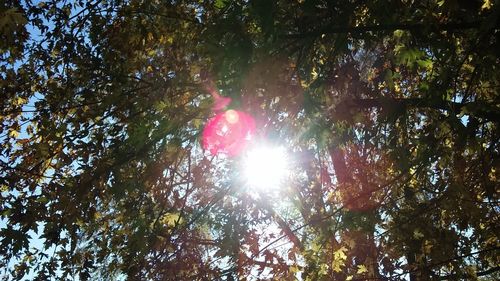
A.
pixel 10 17
pixel 170 219
pixel 486 5
pixel 339 258
pixel 42 199
pixel 398 33
pixel 389 78
pixel 417 234
pixel 361 269
pixel 220 4
pixel 425 63
pixel 294 269
pixel 427 246
pixel 20 101
pixel 323 269
pixel 13 133
pixel 339 254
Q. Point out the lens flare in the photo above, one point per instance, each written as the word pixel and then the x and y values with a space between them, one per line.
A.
pixel 232 117
pixel 266 167
pixel 228 132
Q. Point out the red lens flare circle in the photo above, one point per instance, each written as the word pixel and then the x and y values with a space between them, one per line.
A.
pixel 228 132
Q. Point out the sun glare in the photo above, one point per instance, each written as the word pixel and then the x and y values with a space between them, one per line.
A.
pixel 266 167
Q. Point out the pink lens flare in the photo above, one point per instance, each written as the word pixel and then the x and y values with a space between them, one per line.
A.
pixel 220 102
pixel 228 132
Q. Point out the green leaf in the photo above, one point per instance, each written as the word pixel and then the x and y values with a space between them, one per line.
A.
pixel 220 4
pixel 42 199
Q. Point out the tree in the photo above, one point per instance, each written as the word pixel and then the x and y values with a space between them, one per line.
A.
pixel 390 110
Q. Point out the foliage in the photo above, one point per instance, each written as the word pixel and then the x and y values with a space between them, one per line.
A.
pixel 390 110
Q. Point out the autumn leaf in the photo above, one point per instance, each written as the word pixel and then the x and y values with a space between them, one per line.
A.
pixel 339 258
pixel 171 219
pixel 361 269
pixel 13 133
pixel 486 5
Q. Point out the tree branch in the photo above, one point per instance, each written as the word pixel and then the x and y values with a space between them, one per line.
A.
pixel 388 27
pixel 479 273
pixel 477 109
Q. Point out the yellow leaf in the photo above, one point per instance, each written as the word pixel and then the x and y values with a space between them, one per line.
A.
pixel 339 254
pixel 417 234
pixel 97 215
pixel 337 266
pixel 151 52
pixel 294 269
pixel 13 134
pixel 170 219
pixel 314 74
pixel 339 258
pixel 492 175
pixel 397 89
pixel 20 101
pixel 361 269
pixel 486 5
pixel 427 247
pixel 323 269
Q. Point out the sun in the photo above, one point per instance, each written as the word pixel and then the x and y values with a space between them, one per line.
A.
pixel 265 167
